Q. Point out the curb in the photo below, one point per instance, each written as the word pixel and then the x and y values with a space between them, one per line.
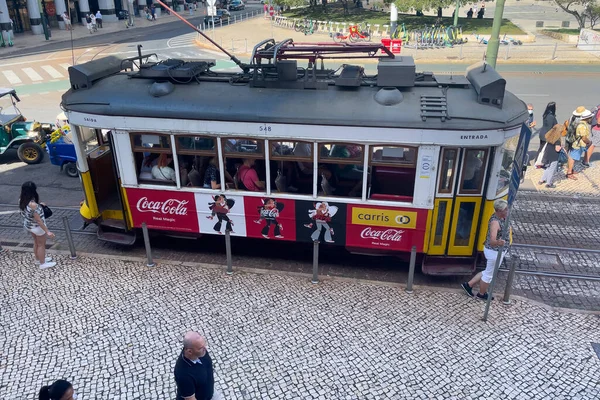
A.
pixel 260 271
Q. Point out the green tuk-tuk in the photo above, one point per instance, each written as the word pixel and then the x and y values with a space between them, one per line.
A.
pixel 28 137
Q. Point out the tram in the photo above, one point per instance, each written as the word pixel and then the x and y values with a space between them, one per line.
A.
pixel 376 163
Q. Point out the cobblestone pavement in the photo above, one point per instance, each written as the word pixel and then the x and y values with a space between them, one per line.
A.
pixel 587 183
pixel 113 327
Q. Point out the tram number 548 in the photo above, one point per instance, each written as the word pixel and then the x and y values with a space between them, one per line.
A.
pixel 264 128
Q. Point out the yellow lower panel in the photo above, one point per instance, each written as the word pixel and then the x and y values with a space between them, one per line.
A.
pixel 464 226
pixel 427 231
pixel 89 210
pixel 112 214
pixel 129 219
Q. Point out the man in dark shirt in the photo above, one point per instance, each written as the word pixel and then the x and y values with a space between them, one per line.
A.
pixel 194 370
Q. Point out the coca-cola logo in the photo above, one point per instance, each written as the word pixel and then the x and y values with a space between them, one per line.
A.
pixel 390 235
pixel 168 207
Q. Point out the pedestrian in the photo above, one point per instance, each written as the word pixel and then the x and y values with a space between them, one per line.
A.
pixel 194 375
pixel 88 21
pixel 549 121
pixel 93 18
pixel 470 13
pixel 153 12
pixel 67 21
pixel 34 222
pixel 579 141
pixel 494 243
pixel 99 19
pixel 266 8
pixel 551 154
pixel 59 390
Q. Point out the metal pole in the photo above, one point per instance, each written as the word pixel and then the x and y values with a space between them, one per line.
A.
pixel 496 268
pixel 315 277
pixel 460 57
pixel 509 283
pixel 507 50
pixel 246 44
pixel 411 269
pixel 494 42
pixel 554 52
pixel 147 245
pixel 232 45
pixel 456 13
pixel 228 252
pixel 69 237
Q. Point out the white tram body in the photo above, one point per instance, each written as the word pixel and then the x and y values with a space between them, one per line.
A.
pixel 377 164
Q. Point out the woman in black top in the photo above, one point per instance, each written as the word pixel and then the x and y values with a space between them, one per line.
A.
pixel 551 155
pixel 549 121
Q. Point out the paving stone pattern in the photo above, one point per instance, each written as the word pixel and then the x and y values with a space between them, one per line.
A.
pixel 114 328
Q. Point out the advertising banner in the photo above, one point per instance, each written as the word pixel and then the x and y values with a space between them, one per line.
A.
pixel 165 210
pixel 270 218
pixel 321 220
pixel 220 213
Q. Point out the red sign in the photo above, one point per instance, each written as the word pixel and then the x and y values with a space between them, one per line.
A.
pixel 270 218
pixel 161 209
pixel 385 228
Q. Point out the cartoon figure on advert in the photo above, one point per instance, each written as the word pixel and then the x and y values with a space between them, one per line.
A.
pixel 321 216
pixel 269 212
pixel 220 208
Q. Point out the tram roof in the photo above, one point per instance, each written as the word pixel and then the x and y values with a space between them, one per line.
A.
pixel 120 95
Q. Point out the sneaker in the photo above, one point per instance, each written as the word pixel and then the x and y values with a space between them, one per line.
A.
pixel 308 225
pixel 551 186
pixel 586 165
pixel 541 182
pixel 279 236
pixel 47 265
pixel 47 260
pixel 468 289
pixel 484 296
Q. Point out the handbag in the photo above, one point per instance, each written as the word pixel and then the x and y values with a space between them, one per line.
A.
pixel 540 157
pixel 47 211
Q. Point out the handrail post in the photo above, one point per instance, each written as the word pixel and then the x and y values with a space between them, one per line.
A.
pixel 554 52
pixel 150 263
pixel 69 237
pixel 315 277
pixel 411 269
pixel 509 283
pixel 228 252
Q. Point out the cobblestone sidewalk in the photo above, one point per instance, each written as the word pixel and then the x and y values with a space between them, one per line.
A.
pixel 113 328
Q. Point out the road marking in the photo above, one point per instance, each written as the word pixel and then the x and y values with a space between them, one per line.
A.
pixel 13 79
pixel 34 76
pixel 531 95
pixel 65 66
pixel 52 72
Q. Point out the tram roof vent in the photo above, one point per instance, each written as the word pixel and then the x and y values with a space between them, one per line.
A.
pixel 396 72
pixel 82 76
pixel 488 84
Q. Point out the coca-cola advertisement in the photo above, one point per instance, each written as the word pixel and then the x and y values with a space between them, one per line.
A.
pixel 321 221
pixel 385 228
pixel 270 218
pixel 162 209
pixel 220 213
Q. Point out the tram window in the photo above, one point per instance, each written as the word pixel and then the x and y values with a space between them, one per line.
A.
pixel 154 159
pixel 464 225
pixel 244 162
pixel 291 166
pixel 440 223
pixel 341 169
pixel 447 170
pixel 473 171
pixel 195 154
pixel 393 171
pixel 89 138
pixel 508 156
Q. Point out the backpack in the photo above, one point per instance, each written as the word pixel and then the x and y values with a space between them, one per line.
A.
pixel 571 135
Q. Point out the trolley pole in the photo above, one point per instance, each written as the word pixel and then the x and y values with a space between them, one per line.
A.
pixel 150 262
pixel 315 277
pixel 69 237
pixel 228 252
pixel 494 42
pixel 411 269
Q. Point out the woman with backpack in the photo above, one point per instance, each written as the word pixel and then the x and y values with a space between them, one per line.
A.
pixel 549 118
pixel 578 140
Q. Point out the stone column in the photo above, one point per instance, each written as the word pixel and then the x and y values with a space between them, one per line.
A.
pixel 84 8
pixel 5 27
pixel 107 8
pixel 35 18
pixel 60 9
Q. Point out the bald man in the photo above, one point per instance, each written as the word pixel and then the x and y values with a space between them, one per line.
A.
pixel 194 370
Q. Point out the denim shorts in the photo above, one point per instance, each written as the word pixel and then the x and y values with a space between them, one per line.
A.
pixel 576 154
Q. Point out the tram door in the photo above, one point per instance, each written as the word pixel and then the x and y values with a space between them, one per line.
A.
pixel 459 198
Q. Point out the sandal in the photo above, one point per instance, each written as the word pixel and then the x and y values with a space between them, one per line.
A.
pixel 570 176
pixel 541 182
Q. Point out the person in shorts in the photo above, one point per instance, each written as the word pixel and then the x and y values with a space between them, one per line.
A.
pixel 35 223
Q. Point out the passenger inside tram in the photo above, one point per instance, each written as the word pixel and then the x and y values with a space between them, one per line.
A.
pixel 473 170
pixel 163 169
pixel 342 178
pixel 212 175
pixel 247 177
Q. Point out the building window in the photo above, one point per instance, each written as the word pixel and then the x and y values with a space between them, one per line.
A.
pixel 291 166
pixel 393 170
pixel 340 169
pixel 154 159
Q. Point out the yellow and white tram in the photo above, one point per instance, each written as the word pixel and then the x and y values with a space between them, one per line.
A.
pixel 377 164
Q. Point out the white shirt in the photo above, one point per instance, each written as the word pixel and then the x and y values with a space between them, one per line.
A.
pixel 163 173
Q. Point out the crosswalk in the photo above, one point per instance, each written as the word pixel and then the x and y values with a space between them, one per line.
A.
pixel 26 74
pixel 186 40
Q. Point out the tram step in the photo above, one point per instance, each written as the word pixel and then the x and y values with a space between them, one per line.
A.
pixel 440 265
pixel 122 238
pixel 114 224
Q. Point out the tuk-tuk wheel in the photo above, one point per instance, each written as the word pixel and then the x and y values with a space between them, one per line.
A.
pixel 71 170
pixel 30 153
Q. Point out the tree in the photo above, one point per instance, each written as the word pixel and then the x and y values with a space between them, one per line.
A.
pixel 577 8
pixel 405 6
pixel 593 13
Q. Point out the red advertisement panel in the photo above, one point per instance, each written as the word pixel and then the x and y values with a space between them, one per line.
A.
pixel 270 218
pixel 162 209
pixel 385 228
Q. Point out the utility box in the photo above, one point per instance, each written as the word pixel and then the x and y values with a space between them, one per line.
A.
pixel 396 72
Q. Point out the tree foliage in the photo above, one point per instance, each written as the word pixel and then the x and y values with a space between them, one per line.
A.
pixel 592 12
pixel 577 8
pixel 405 6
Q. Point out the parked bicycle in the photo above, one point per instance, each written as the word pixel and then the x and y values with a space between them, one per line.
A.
pixel 355 34
pixel 307 27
